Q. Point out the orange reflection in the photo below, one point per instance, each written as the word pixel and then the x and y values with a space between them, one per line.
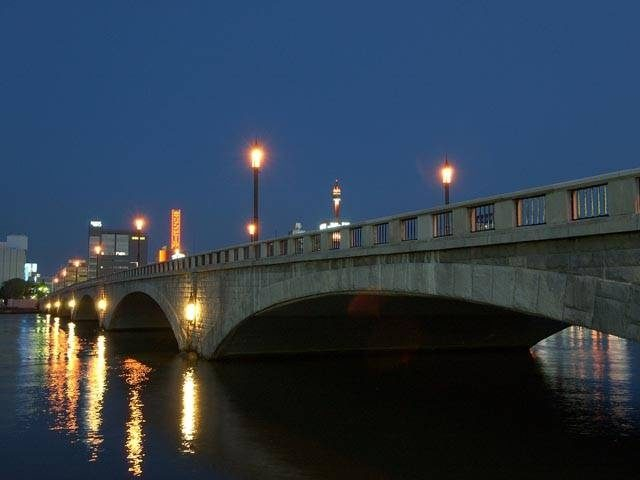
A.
pixel 188 424
pixel 135 374
pixel 96 385
pixel 73 379
pixel 56 377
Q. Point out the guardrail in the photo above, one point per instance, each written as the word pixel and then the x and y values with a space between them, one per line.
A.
pixel 601 204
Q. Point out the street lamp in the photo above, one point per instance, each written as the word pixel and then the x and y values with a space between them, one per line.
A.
pixel 139 224
pixel 98 250
pixel 102 304
pixel 447 175
pixel 191 309
pixel 57 305
pixel 55 282
pixel 256 155
pixel 64 277
pixel 251 229
pixel 76 264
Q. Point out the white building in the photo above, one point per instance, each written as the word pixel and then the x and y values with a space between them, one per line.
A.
pixel 13 256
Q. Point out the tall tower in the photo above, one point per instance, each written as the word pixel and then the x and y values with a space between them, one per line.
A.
pixel 336 194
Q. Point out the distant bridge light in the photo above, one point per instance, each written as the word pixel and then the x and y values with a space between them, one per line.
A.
pixel 102 304
pixel 191 309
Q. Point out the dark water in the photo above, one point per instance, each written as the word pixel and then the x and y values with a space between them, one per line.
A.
pixel 79 403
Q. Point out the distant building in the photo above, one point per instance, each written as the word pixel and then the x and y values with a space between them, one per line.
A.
pixel 31 272
pixel 13 256
pixel 118 249
pixel 75 271
pixel 336 201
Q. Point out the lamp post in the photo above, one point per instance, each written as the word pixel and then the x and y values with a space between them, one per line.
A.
pixel 98 250
pixel 55 283
pixel 64 277
pixel 257 155
pixel 447 175
pixel 76 264
pixel 139 224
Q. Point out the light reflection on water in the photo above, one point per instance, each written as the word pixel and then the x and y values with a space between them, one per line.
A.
pixel 96 386
pixel 592 373
pixel 188 424
pixel 158 414
pixel 136 375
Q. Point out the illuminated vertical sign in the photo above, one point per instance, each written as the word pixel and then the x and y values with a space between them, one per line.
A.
pixel 175 230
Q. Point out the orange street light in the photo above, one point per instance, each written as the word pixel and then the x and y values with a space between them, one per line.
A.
pixel 256 155
pixel 76 264
pixel 251 229
pixel 98 251
pixel 447 176
pixel 139 224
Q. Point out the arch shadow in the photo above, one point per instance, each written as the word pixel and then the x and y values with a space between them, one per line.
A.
pixel 382 322
pixel 86 310
pixel 139 311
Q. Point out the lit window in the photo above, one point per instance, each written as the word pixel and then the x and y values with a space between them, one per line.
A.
pixel 356 237
pixel 409 229
pixel 283 247
pixel 589 202
pixel 531 211
pixel 482 218
pixel 381 233
pixel 335 240
pixel 442 224
pixel 315 242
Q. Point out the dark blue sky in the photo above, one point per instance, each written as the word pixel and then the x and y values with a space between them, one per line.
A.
pixel 112 108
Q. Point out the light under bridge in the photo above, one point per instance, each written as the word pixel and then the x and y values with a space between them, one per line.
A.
pixel 502 271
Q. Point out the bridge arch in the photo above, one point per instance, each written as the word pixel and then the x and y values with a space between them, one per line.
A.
pixel 143 307
pixel 86 309
pixel 535 303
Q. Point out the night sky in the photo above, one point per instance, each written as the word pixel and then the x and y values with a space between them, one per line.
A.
pixel 109 109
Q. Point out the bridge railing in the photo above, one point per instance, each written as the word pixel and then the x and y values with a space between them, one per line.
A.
pixel 601 204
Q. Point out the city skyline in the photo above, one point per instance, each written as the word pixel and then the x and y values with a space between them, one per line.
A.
pixel 137 111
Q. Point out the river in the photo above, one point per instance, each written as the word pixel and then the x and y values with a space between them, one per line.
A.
pixel 77 402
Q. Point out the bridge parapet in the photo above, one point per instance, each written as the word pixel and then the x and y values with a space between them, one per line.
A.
pixel 596 205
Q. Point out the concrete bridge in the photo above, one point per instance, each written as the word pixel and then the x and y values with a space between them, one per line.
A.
pixel 502 271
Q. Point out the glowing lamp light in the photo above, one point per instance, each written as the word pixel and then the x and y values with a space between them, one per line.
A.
pixel 97 249
pixel 57 304
pixel 191 309
pixel 251 228
pixel 72 303
pixel 56 280
pixel 447 173
pixel 76 263
pixel 139 223
pixel 64 272
pixel 48 306
pixel 257 155
pixel 102 304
